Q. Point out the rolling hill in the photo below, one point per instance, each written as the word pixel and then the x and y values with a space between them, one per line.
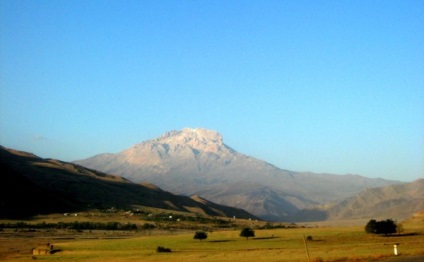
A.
pixel 32 185
pixel 395 201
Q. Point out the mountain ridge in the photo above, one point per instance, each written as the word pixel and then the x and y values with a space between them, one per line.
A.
pixel 197 161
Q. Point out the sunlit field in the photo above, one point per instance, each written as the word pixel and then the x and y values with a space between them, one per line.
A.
pixel 327 244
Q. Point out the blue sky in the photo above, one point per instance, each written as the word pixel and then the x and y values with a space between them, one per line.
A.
pixel 321 86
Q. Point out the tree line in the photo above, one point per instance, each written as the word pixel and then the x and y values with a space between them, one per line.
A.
pixel 76 226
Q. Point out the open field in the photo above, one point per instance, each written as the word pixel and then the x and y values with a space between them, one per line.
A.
pixel 348 243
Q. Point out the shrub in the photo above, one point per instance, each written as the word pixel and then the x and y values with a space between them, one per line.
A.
pixel 309 238
pixel 160 249
pixel 200 235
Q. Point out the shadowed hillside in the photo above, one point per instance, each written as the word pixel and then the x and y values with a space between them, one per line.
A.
pixel 32 185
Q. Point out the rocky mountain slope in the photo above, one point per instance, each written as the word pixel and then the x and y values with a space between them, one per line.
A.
pixel 32 185
pixel 197 161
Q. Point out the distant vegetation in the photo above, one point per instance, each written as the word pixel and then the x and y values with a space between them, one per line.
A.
pixel 148 221
pixel 138 220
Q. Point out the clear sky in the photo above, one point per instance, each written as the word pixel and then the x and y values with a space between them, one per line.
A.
pixel 322 86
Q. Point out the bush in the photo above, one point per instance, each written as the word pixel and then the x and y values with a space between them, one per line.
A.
pixel 160 249
pixel 308 238
pixel 200 235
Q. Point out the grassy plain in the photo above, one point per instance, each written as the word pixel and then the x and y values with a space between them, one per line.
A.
pixel 339 243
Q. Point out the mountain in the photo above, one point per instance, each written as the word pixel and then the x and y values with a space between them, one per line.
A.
pixel 197 161
pixel 394 201
pixel 32 185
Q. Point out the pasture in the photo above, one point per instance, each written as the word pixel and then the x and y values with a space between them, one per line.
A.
pixel 341 243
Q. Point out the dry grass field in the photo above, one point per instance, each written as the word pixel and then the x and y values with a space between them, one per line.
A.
pixel 329 243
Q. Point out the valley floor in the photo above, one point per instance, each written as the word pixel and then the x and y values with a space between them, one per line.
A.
pixel 326 244
pixel 328 241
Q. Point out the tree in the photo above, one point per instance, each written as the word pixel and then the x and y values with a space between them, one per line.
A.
pixel 387 226
pixel 200 235
pixel 247 232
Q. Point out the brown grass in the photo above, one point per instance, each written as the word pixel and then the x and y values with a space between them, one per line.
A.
pixel 330 244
